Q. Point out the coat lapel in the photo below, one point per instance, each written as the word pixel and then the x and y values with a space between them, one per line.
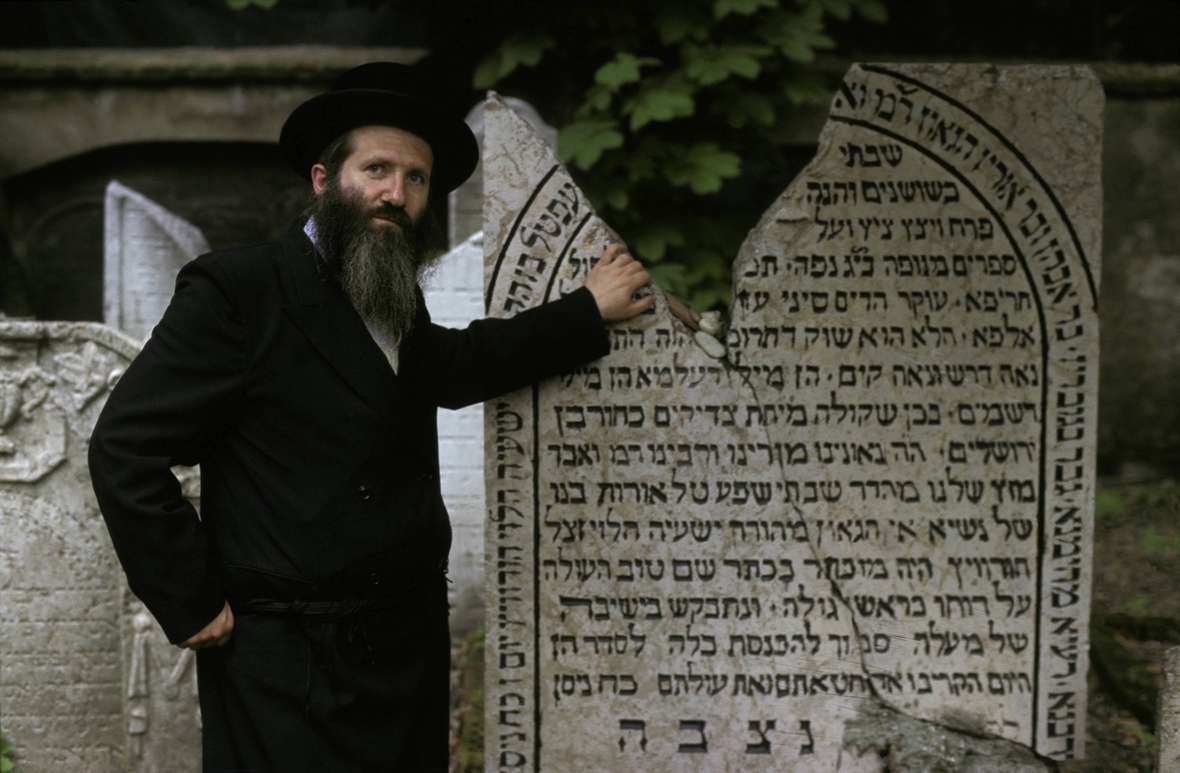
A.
pixel 329 322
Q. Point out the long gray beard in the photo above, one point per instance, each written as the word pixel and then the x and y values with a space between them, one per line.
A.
pixel 380 271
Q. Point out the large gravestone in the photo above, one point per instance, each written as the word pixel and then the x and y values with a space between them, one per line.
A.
pixel 881 494
pixel 87 680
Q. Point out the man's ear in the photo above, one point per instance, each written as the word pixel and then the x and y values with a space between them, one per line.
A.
pixel 319 178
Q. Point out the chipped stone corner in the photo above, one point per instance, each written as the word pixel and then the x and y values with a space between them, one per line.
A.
pixel 908 745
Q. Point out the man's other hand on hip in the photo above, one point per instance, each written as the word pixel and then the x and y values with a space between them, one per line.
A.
pixel 215 634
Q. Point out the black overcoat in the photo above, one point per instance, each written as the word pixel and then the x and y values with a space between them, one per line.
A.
pixel 319 481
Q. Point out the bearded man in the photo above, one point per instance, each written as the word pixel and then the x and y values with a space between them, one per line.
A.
pixel 304 375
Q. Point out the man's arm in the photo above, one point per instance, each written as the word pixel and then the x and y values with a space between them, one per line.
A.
pixel 166 410
pixel 492 357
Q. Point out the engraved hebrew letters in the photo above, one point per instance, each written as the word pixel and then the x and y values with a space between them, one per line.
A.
pixel 882 492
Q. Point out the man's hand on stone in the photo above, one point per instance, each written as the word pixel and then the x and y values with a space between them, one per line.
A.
pixel 215 634
pixel 613 282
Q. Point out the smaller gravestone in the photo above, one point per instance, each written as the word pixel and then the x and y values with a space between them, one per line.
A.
pixel 145 247
pixel 89 683
pixel 454 297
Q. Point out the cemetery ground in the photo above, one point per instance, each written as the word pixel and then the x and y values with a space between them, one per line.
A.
pixel 1135 617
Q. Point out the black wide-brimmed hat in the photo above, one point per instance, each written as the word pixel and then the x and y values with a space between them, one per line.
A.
pixel 380 94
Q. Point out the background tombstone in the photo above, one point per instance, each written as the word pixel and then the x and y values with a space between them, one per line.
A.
pixel 145 247
pixel 84 683
pixel 883 492
pixel 454 297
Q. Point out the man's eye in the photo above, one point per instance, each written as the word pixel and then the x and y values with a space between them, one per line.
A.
pixel 374 168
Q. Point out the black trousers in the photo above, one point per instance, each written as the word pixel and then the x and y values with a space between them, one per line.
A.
pixel 358 693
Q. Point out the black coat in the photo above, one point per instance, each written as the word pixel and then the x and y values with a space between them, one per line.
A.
pixel 319 470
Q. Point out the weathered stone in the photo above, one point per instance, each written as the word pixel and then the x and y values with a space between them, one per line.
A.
pixel 884 491
pixel 89 681
pixel 1167 723
pixel 914 746
pixel 465 203
pixel 454 296
pixel 145 248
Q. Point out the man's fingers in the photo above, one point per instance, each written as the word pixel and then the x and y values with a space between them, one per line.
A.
pixel 613 251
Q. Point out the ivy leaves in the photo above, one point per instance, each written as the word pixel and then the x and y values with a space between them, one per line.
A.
pixel 676 97
pixel 523 48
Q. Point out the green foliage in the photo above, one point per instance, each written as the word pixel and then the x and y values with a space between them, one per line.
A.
pixel 1107 502
pixel 523 48
pixel 667 109
pixel 6 748
pixel 1154 542
pixel 469 755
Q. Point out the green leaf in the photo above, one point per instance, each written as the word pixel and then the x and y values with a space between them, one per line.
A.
pixel 841 9
pixel 797 35
pixel 660 100
pixel 723 8
pixel 653 242
pixel 583 142
pixel 742 107
pixel 621 70
pixel 713 64
pixel 523 48
pixel 872 10
pixel 669 276
pixel 1107 502
pixel 702 167
pixel 597 100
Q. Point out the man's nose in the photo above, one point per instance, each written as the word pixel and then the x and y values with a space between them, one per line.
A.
pixel 394 191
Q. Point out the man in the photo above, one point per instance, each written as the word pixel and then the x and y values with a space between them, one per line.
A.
pixel 303 376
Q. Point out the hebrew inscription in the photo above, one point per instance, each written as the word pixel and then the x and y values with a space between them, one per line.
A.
pixel 883 490
pixel 89 682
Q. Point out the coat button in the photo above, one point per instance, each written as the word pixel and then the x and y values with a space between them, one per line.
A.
pixel 427 476
pixel 364 492
pixel 374 579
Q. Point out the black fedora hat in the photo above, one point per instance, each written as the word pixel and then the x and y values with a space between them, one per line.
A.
pixel 380 94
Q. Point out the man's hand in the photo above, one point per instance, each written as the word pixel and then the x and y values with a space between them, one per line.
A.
pixel 216 633
pixel 614 280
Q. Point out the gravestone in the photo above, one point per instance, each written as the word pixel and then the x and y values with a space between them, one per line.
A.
pixel 145 246
pixel 465 203
pixel 879 493
pixel 87 680
pixel 454 297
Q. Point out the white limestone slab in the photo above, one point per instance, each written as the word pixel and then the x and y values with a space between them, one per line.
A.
pixel 145 246
pixel 88 681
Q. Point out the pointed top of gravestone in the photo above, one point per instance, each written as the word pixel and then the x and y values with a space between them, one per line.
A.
pixel 145 246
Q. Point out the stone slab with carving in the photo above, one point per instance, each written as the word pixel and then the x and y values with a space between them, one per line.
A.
pixel 145 246
pixel 88 682
pixel 880 494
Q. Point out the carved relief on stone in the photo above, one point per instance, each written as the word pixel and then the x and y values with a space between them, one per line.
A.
pixel 68 625
pixel 50 374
